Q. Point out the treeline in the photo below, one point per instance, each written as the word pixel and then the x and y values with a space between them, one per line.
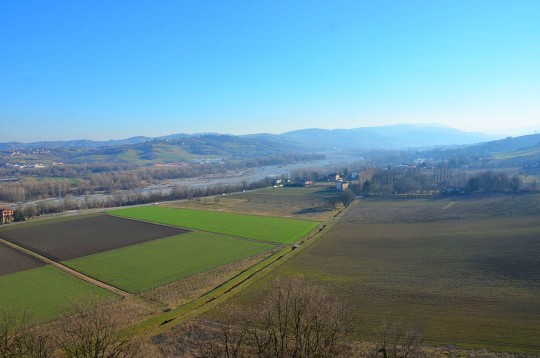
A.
pixel 385 180
pixel 68 170
pixel 492 182
pixel 407 180
pixel 323 173
pixel 273 160
pixel 440 181
pixel 135 197
pixel 420 180
pixel 81 170
pixel 37 184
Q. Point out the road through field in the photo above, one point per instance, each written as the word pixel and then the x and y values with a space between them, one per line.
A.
pixel 68 270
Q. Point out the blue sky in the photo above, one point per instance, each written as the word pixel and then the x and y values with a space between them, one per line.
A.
pixel 114 69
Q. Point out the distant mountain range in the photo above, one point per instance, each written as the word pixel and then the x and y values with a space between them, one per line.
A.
pixel 436 142
pixel 384 137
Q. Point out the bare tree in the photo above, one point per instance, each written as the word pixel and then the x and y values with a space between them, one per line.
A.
pixel 226 339
pixel 19 339
pixel 296 320
pixel 396 340
pixel 69 202
pixel 301 320
pixel 92 332
pixel 332 201
pixel 30 211
pixel 347 197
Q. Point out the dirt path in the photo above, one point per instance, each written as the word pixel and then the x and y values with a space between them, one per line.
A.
pixel 68 270
pixel 163 322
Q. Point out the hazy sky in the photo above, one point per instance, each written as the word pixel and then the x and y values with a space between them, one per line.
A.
pixel 114 69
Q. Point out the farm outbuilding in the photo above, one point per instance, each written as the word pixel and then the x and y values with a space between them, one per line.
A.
pixel 6 216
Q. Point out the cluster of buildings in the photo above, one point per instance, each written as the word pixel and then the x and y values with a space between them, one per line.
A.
pixel 279 183
pixel 341 183
pixel 30 151
pixel 26 158
pixel 24 165
pixel 9 180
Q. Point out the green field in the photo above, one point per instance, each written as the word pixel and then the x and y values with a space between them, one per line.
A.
pixel 288 195
pixel 471 280
pixel 144 266
pixel 45 292
pixel 157 153
pixel 279 230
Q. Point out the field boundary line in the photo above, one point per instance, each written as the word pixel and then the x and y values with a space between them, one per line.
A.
pixel 67 269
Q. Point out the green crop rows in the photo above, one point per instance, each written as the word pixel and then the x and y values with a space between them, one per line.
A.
pixel 264 228
pixel 45 292
pixel 144 266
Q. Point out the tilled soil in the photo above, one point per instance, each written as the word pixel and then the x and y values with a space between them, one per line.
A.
pixel 77 238
pixel 12 261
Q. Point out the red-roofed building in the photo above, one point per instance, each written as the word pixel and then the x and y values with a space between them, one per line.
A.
pixel 6 216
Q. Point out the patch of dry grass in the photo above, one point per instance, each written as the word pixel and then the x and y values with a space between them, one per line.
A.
pixel 297 203
pixel 464 271
pixel 183 291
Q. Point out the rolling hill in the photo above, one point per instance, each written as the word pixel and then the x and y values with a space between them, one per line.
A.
pixel 173 149
pixel 183 147
pixel 512 152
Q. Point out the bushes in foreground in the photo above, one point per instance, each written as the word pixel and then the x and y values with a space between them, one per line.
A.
pixel 296 319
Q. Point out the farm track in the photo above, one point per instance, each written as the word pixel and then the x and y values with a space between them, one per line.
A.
pixel 167 321
pixel 68 270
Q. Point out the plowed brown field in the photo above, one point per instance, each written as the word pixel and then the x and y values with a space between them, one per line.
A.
pixel 77 238
pixel 12 261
